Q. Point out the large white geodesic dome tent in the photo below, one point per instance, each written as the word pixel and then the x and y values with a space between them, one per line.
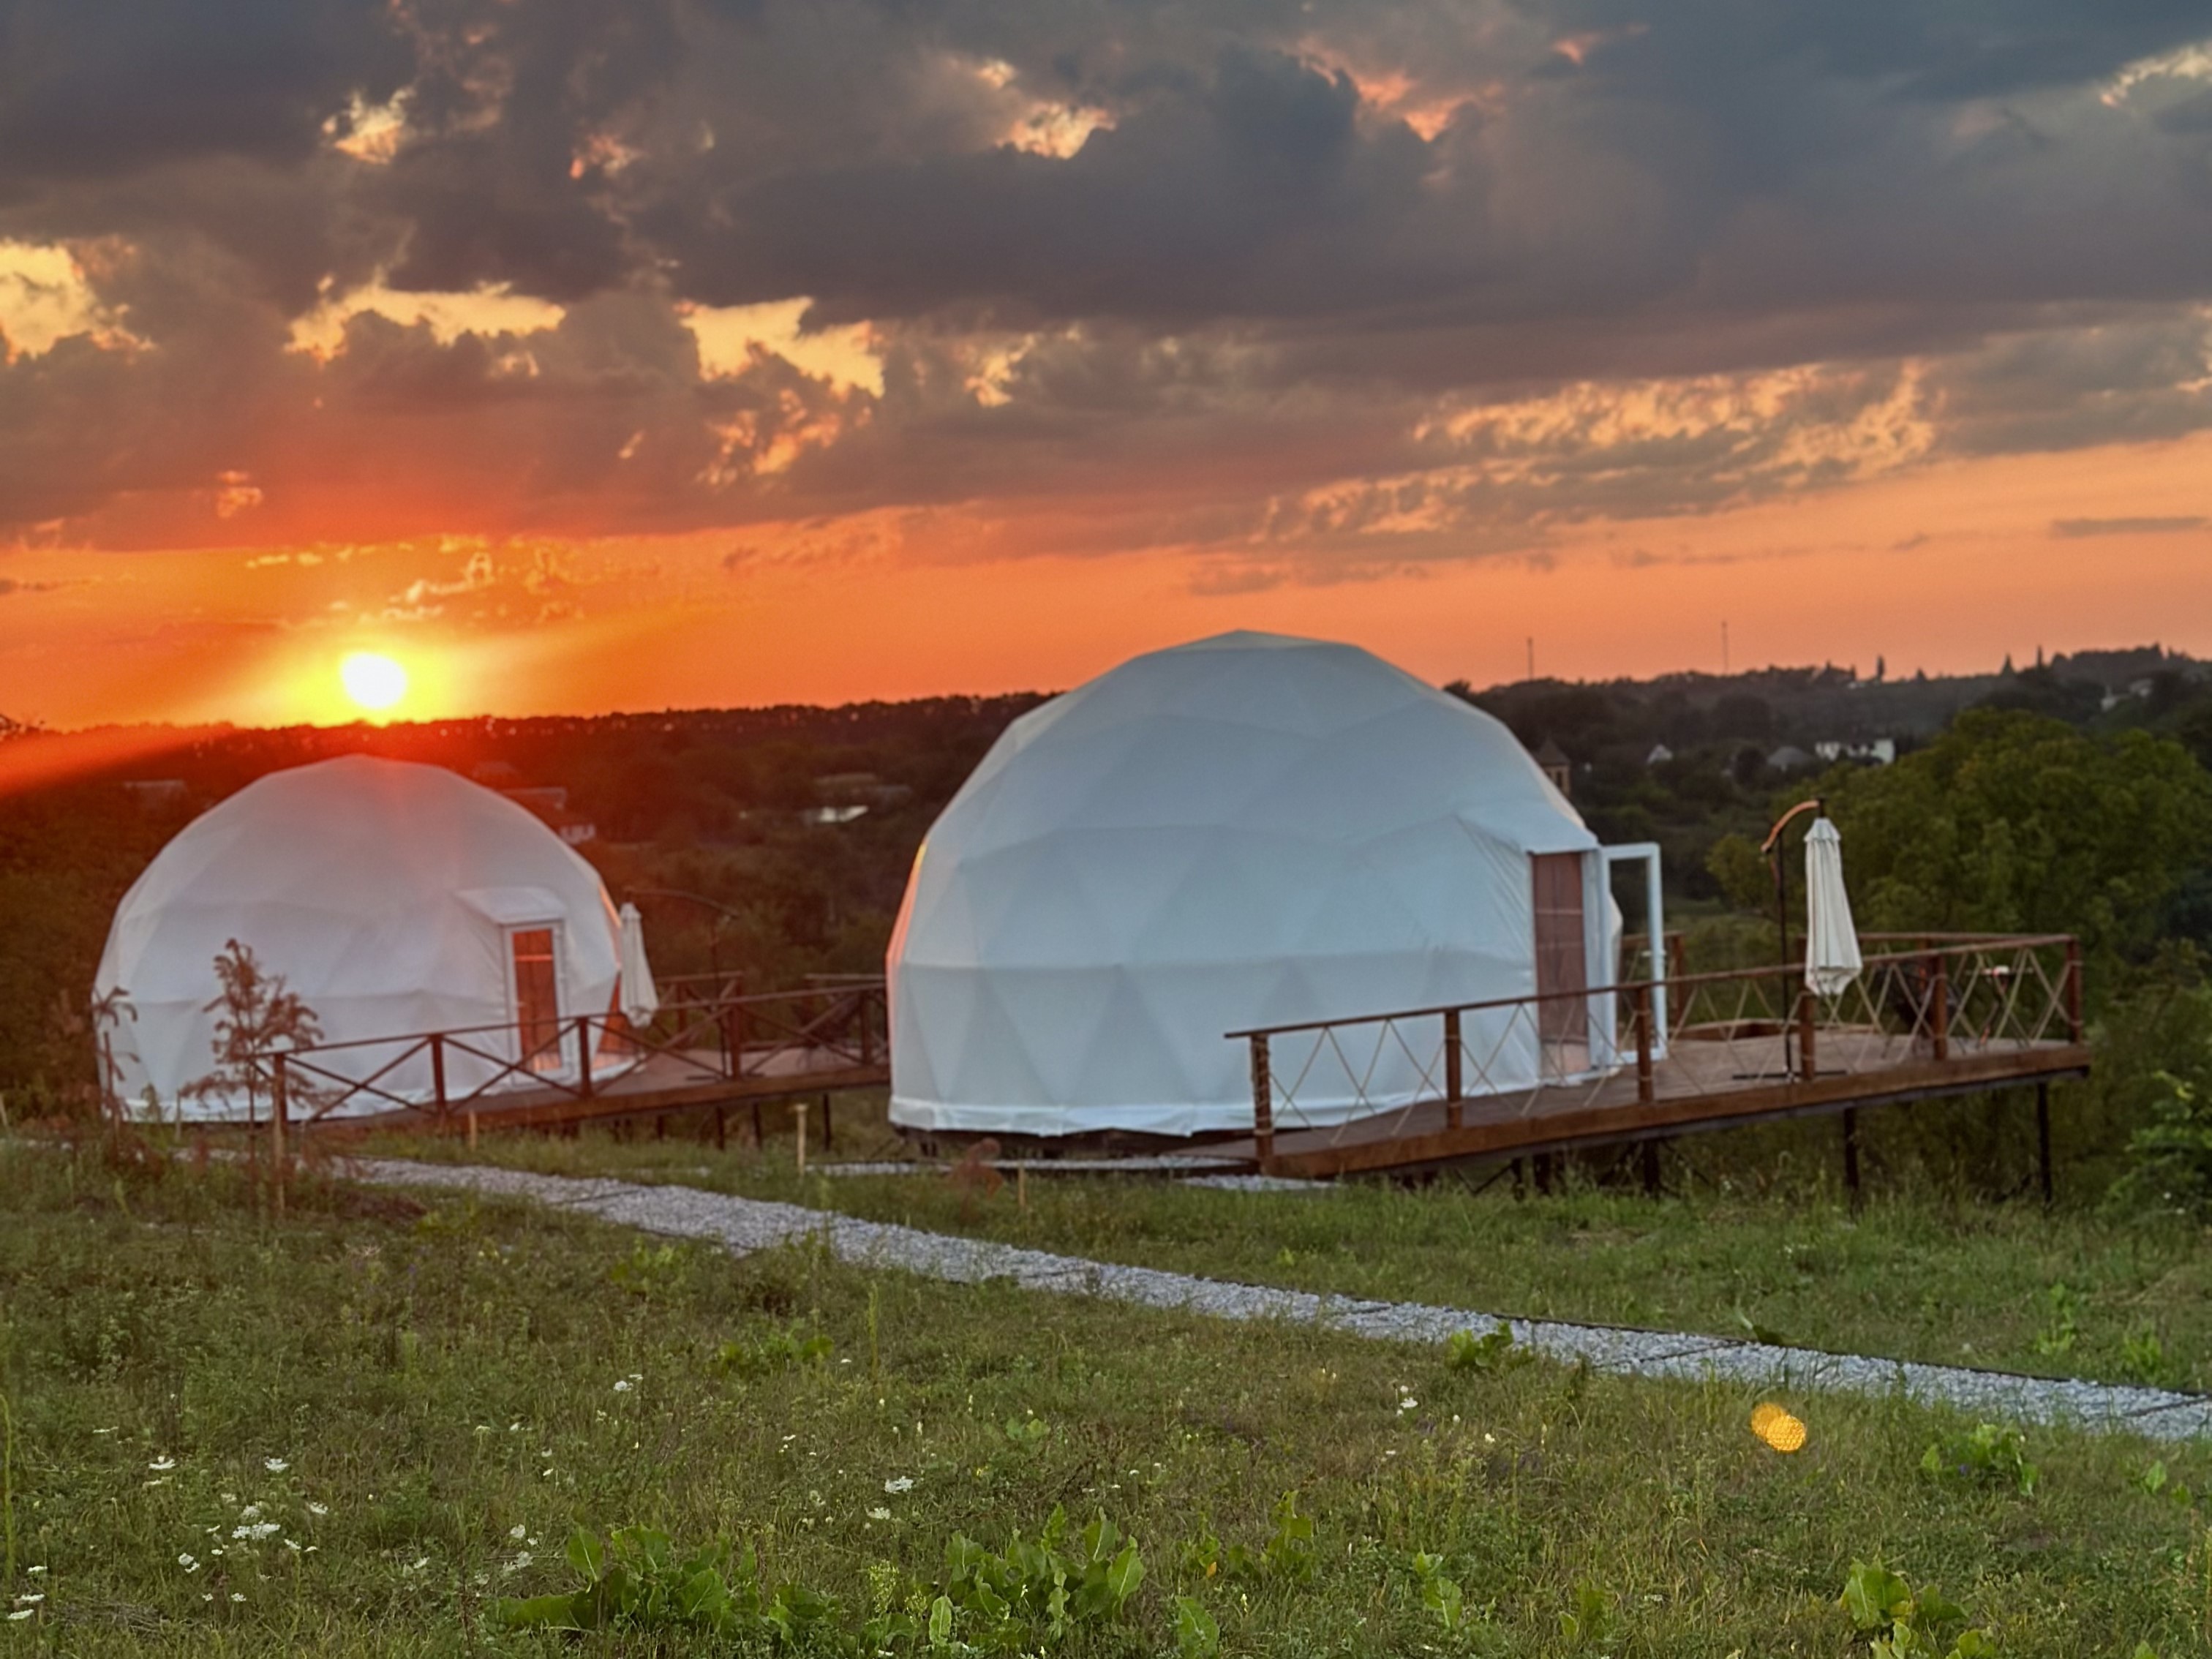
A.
pixel 394 899
pixel 1244 832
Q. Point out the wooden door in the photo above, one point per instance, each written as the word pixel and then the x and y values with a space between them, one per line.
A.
pixel 536 998
pixel 1562 963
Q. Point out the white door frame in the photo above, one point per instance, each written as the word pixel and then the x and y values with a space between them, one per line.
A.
pixel 1646 852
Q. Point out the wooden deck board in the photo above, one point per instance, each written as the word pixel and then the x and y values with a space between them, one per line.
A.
pixel 1701 1085
pixel 662 1083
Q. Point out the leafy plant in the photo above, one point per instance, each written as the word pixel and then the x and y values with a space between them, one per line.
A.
pixel 1038 1588
pixel 635 1579
pixel 1494 1351
pixel 778 1351
pixel 2057 1336
pixel 2144 1359
pixel 2171 1156
pixel 647 1270
pixel 1197 1633
pixel 1902 1623
pixel 1590 1617
pixel 1290 1549
pixel 1440 1595
pixel 1990 1454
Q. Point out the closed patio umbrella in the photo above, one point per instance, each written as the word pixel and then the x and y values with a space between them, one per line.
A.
pixel 640 1000
pixel 1832 943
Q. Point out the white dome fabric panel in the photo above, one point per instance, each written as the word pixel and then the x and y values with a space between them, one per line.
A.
pixel 382 891
pixel 1248 830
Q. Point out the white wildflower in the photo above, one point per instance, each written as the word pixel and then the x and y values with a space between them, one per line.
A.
pixel 162 1465
pixel 899 1483
pixel 21 1613
pixel 255 1531
pixel 275 1465
pixel 292 1547
pixel 32 1600
pixel 235 1596
pixel 189 1562
pixel 318 1508
pixel 623 1386
pixel 250 1512
pixel 517 1532
pixel 880 1513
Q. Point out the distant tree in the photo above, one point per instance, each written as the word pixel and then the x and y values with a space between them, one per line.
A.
pixel 2013 821
pixel 256 1013
pixel 1743 715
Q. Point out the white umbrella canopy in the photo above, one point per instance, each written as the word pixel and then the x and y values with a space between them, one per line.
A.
pixel 640 1001
pixel 1832 943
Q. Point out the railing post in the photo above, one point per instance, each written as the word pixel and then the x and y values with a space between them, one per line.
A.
pixel 868 1028
pixel 1644 1088
pixel 1454 1090
pixel 437 1072
pixel 1807 1066
pixel 1939 1007
pixel 1263 1103
pixel 2074 989
pixel 584 1055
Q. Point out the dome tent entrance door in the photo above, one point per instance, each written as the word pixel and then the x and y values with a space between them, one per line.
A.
pixel 533 957
pixel 1562 959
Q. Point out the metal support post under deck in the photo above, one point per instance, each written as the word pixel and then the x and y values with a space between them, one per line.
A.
pixel 1651 1168
pixel 1454 1090
pixel 1851 1153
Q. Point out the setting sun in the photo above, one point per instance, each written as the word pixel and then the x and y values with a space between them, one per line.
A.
pixel 372 680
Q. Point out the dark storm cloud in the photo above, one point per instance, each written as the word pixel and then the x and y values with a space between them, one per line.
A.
pixel 1442 271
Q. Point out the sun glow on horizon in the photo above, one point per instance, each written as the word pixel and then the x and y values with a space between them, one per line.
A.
pixel 376 682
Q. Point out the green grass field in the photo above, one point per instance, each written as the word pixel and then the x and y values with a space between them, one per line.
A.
pixel 1919 1273
pixel 352 1429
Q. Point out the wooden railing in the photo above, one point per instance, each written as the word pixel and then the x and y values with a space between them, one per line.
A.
pixel 705 1032
pixel 1934 998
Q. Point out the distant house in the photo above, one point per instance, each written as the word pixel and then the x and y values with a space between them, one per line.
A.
pixel 1875 751
pixel 153 792
pixel 1788 758
pixel 858 789
pixel 1556 766
pixel 1660 755
pixel 550 801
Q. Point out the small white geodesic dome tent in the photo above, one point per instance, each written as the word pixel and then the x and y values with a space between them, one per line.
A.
pixel 1244 831
pixel 394 898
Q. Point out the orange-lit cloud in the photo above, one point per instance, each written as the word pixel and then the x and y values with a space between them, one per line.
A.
pixel 667 353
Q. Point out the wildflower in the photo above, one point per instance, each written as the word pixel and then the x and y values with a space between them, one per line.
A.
pixel 189 1562
pixel 235 1596
pixel 623 1386
pixel 21 1613
pixel 318 1508
pixel 880 1513
pixel 1408 1403
pixel 162 1465
pixel 899 1483
pixel 522 1559
pixel 34 1572
pixel 292 1547
pixel 29 1601
pixel 255 1531
pixel 250 1512
pixel 517 1532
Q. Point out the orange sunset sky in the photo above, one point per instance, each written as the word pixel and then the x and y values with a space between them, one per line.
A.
pixel 686 354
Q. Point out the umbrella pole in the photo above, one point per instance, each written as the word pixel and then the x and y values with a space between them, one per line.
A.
pixel 1772 847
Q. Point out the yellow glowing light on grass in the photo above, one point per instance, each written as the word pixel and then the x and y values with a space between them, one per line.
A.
pixel 1777 1428
pixel 372 680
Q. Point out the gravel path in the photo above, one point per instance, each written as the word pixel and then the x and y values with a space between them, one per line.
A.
pixel 742 1224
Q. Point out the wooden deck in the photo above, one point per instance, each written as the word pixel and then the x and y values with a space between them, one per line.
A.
pixel 661 1085
pixel 1699 1086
